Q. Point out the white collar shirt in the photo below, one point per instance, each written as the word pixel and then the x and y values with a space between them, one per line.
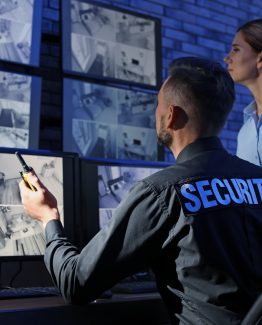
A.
pixel 249 141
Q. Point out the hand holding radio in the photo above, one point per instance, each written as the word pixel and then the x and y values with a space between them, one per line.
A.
pixel 26 170
pixel 38 201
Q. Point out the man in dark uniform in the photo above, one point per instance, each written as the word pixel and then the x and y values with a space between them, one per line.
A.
pixel 197 224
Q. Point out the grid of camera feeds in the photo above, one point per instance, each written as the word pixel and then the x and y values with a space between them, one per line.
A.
pixel 20 235
pixel 108 122
pixel 19 110
pixel 109 43
pixel 20 23
pixel 114 183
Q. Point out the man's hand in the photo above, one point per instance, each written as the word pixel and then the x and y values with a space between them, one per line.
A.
pixel 41 204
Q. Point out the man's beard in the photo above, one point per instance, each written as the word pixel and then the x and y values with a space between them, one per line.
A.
pixel 163 137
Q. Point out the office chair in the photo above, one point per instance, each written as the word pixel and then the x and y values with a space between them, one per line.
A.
pixel 254 315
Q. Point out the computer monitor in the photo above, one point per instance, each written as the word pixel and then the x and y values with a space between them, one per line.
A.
pixel 20 99
pixel 101 121
pixel 21 237
pixel 110 43
pixel 104 184
pixel 20 32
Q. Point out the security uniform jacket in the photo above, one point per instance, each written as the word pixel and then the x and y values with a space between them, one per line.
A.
pixel 197 224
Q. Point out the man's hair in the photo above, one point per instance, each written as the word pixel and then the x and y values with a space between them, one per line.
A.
pixel 252 33
pixel 204 89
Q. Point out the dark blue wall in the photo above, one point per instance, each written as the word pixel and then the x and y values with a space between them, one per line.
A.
pixel 189 27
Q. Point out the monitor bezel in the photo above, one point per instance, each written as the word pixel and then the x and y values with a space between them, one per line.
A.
pixel 66 45
pixel 35 107
pixel 89 190
pixel 68 116
pixel 36 36
pixel 71 192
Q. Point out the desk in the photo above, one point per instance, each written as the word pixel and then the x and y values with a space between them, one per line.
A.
pixel 135 309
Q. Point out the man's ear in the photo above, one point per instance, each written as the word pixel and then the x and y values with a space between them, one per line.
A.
pixel 176 118
pixel 170 116
pixel 259 61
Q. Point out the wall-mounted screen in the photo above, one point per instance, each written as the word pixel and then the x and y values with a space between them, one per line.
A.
pixel 20 235
pixel 20 97
pixel 110 43
pixel 111 182
pixel 20 31
pixel 108 122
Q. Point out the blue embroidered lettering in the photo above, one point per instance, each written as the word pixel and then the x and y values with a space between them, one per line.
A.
pixel 244 190
pixel 238 199
pixel 193 198
pixel 258 182
pixel 252 191
pixel 211 193
pixel 205 193
pixel 214 184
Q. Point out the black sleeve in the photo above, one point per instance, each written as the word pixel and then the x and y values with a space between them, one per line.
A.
pixel 129 243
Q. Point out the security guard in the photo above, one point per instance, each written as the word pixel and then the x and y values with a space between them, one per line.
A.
pixel 197 224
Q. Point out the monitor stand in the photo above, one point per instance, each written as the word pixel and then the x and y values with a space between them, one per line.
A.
pixel 1 285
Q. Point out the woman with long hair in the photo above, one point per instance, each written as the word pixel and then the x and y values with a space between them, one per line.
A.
pixel 245 67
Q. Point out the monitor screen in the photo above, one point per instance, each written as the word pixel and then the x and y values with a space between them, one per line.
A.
pixel 110 43
pixel 20 31
pixel 101 121
pixel 111 182
pixel 20 235
pixel 20 99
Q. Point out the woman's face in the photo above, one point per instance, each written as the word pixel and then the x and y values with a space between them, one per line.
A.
pixel 242 61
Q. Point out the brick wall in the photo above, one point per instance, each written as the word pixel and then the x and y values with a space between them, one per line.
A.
pixel 189 27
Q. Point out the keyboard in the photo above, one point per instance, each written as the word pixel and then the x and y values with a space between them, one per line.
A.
pixel 31 292
pixel 28 292
pixel 135 287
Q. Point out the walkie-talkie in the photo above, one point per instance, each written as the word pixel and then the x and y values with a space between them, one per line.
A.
pixel 26 170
